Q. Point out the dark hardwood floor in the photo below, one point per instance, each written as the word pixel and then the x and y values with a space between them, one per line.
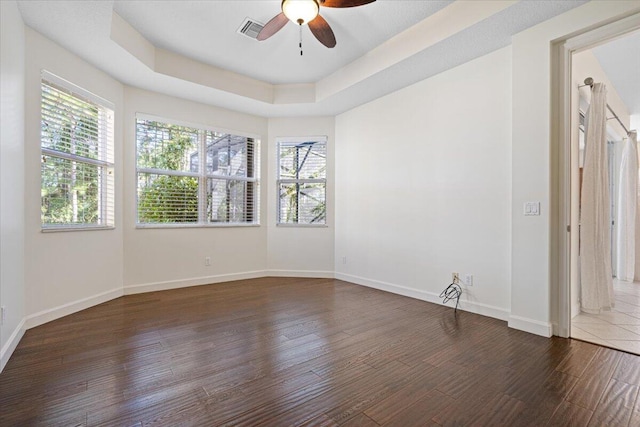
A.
pixel 312 352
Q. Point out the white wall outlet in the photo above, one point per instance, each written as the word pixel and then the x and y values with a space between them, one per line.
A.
pixel 207 261
pixel 468 279
pixel 344 259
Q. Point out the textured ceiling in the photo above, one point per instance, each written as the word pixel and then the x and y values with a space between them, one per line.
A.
pixel 620 60
pixel 379 48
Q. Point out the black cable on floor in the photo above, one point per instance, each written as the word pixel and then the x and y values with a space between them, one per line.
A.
pixel 450 292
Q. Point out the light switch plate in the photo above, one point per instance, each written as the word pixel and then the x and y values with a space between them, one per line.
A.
pixel 531 208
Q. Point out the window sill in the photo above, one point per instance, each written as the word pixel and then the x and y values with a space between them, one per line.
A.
pixel 178 226
pixel 302 225
pixel 66 228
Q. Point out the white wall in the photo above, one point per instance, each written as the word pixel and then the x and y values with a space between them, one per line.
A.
pixel 12 51
pixel 300 251
pixel 423 187
pixel 156 258
pixel 532 296
pixel 66 271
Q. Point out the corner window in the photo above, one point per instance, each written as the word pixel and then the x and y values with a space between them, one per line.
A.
pixel 302 181
pixel 77 164
pixel 192 176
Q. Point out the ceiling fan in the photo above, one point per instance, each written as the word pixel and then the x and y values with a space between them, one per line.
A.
pixel 303 12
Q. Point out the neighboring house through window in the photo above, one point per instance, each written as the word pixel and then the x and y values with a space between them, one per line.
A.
pixel 77 161
pixel 302 181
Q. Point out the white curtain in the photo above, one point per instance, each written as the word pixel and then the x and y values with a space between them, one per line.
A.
pixel 595 221
pixel 633 139
pixel 627 209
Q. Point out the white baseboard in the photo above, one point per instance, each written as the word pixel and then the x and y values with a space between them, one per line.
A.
pixel 11 344
pixel 54 313
pixel 301 273
pixel 473 307
pixel 196 281
pixel 532 326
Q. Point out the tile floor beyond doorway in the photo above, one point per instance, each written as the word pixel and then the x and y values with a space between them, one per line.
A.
pixel 618 328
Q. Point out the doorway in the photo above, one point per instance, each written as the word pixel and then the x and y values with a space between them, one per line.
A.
pixel 604 62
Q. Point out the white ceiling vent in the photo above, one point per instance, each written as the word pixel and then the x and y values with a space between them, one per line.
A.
pixel 250 28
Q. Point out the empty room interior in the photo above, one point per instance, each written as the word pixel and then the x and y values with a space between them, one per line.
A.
pixel 320 212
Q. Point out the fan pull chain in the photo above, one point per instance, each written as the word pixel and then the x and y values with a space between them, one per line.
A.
pixel 300 44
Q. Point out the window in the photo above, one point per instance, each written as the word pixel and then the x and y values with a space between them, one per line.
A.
pixel 176 188
pixel 77 170
pixel 302 181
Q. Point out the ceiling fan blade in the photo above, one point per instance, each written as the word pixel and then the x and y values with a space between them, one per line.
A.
pixel 273 26
pixel 344 3
pixel 323 32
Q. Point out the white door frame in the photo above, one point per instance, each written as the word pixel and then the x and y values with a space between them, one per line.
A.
pixel 562 107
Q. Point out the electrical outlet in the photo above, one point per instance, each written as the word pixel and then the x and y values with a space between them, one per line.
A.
pixel 468 279
pixel 344 259
pixel 455 277
pixel 207 261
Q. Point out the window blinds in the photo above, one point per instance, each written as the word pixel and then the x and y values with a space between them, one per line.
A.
pixel 188 175
pixel 77 163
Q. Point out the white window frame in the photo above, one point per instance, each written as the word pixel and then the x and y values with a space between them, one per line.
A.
pixel 322 139
pixel 107 155
pixel 201 175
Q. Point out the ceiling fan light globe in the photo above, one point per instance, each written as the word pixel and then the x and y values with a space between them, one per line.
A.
pixel 301 11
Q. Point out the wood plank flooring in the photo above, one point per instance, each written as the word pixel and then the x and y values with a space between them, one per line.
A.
pixel 306 352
